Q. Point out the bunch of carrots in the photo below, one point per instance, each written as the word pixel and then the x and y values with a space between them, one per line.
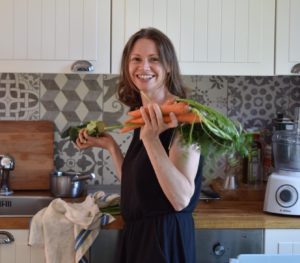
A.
pixel 199 124
pixel 181 110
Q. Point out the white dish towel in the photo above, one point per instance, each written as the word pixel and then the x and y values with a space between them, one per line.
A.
pixel 67 230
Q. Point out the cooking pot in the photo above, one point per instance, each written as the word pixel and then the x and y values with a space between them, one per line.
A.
pixel 69 184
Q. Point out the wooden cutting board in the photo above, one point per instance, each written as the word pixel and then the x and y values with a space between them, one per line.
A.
pixel 30 143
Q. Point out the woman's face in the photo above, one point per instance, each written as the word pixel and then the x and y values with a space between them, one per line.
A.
pixel 145 67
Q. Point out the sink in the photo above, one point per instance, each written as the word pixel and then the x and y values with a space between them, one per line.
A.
pixel 24 206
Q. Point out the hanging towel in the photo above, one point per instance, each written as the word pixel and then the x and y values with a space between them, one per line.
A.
pixel 67 230
pixel 85 237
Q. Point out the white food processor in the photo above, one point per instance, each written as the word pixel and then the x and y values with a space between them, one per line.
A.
pixel 282 194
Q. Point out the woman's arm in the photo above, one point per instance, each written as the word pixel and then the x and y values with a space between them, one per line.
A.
pixel 176 172
pixel 105 141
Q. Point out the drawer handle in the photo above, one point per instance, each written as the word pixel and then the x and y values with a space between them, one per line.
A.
pixel 82 66
pixel 296 68
pixel 6 237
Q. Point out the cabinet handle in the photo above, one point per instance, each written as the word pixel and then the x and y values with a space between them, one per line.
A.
pixel 82 66
pixel 296 68
pixel 6 237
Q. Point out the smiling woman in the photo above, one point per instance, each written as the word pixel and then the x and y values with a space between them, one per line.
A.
pixel 153 54
pixel 145 68
pixel 160 175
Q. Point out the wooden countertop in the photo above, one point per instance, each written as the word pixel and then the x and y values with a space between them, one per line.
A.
pixel 212 214
pixel 240 214
pixel 229 212
pixel 240 208
pixel 232 214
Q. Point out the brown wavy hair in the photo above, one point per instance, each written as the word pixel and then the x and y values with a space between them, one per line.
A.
pixel 127 92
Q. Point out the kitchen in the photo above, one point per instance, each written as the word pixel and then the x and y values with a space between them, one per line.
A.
pixel 240 73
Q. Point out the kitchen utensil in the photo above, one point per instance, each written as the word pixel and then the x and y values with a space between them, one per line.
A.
pixel 230 182
pixel 7 164
pixel 283 187
pixel 231 171
pixel 69 184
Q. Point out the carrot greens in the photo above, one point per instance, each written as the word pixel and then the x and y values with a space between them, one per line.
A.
pixel 216 134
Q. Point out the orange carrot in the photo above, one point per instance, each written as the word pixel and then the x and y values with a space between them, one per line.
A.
pixel 189 117
pixel 133 120
pixel 176 107
pixel 138 120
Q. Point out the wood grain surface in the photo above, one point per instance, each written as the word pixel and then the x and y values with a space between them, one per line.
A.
pixel 30 143
pixel 219 214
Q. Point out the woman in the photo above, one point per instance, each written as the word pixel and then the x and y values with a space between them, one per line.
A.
pixel 160 177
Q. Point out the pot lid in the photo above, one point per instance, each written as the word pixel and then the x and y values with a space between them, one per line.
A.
pixel 286 137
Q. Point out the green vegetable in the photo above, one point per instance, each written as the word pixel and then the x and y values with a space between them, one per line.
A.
pixel 72 132
pixel 94 128
pixel 216 134
pixel 113 210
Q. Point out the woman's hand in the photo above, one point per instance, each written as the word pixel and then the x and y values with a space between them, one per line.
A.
pixel 84 141
pixel 154 123
pixel 105 141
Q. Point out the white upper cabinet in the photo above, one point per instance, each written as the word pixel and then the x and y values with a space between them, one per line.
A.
pixel 49 35
pixel 287 36
pixel 220 37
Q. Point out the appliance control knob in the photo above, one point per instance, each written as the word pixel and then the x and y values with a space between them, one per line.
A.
pixel 218 249
pixel 285 195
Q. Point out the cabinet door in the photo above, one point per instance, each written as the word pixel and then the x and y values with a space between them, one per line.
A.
pixel 223 37
pixel 49 35
pixel 282 241
pixel 8 251
pixel 19 251
pixel 287 36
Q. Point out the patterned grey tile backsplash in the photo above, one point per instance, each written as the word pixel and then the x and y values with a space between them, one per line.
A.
pixel 70 99
pixel 255 101
pixel 19 96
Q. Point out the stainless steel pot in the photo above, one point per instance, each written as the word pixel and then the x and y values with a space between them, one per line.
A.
pixel 69 184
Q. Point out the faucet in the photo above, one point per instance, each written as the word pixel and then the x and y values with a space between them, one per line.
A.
pixel 7 164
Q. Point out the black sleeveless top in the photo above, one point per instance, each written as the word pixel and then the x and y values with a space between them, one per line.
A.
pixel 154 231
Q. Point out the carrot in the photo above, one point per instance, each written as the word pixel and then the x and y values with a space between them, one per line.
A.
pixel 176 107
pixel 138 120
pixel 133 120
pixel 189 117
